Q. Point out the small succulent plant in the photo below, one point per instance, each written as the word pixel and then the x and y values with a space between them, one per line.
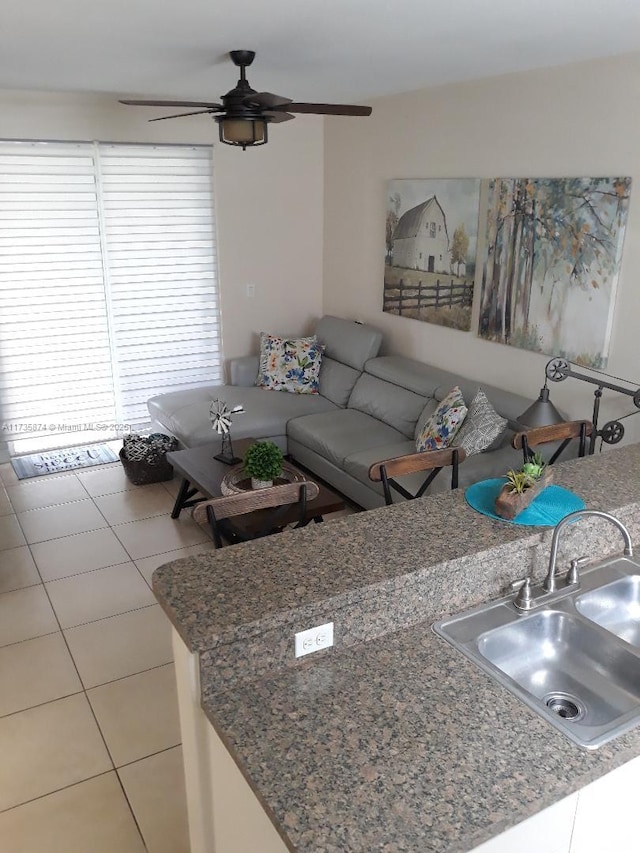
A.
pixel 534 467
pixel 519 481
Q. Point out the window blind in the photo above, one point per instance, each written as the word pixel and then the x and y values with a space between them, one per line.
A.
pixel 108 288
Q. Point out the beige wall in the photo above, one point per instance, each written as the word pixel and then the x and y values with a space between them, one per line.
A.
pixel 268 202
pixel 571 121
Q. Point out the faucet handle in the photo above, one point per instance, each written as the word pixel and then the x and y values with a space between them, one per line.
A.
pixel 524 598
pixel 573 575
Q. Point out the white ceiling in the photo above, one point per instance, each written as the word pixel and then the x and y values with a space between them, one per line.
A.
pixel 324 50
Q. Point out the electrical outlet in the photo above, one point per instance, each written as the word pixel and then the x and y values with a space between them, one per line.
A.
pixel 251 291
pixel 314 639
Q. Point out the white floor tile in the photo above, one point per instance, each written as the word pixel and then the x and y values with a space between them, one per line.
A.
pixel 89 817
pixel 47 748
pixel 105 480
pixel 35 493
pixel 99 594
pixel 17 569
pixel 34 672
pixel 25 613
pixel 159 534
pixel 148 565
pixel 5 503
pixel 55 521
pixel 11 535
pixel 120 646
pixel 8 475
pixel 155 789
pixel 134 505
pixel 138 715
pixel 73 555
pixel 173 486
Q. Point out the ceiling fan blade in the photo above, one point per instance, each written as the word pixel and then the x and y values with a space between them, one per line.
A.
pixel 277 117
pixel 328 109
pixel 204 104
pixel 266 100
pixel 181 115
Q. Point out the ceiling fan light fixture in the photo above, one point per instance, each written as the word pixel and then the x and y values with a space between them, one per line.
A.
pixel 245 132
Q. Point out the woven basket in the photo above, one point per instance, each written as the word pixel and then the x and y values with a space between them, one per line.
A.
pixel 150 464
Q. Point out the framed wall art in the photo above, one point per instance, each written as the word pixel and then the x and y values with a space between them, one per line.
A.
pixel 430 249
pixel 551 264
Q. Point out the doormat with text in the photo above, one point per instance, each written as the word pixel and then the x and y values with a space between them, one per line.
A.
pixel 53 461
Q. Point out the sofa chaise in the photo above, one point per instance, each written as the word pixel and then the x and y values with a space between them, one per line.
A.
pixel 367 411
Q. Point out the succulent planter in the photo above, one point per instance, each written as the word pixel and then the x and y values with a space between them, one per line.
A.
pixel 509 504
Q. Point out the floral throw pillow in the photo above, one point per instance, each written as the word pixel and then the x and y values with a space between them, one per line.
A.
pixel 482 426
pixel 439 430
pixel 290 364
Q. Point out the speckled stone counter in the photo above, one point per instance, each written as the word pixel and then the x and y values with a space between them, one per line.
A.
pixel 411 747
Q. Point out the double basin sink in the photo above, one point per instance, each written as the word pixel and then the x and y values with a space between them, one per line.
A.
pixel 575 661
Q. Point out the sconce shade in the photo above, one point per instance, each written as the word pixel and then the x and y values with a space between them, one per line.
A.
pixel 242 131
pixel 542 412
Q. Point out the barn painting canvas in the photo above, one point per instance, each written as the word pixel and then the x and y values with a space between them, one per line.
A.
pixel 430 253
pixel 553 253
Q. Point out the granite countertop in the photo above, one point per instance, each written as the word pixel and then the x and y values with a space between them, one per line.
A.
pixel 398 744
pixel 391 740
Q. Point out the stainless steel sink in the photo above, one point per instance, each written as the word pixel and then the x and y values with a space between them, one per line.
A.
pixel 576 661
pixel 616 607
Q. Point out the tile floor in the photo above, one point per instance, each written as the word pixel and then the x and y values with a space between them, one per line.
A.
pixel 89 734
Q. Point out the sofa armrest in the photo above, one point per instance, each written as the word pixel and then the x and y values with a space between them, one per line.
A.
pixel 243 371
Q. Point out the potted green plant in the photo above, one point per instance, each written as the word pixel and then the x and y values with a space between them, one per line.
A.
pixel 522 487
pixel 263 463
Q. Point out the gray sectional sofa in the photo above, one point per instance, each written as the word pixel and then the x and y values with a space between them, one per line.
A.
pixel 367 411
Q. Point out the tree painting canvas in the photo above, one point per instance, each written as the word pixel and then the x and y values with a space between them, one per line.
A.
pixel 553 252
pixel 430 249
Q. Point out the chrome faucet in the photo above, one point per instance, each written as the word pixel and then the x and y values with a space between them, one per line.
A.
pixel 549 583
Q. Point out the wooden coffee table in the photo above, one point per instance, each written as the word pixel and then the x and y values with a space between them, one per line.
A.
pixel 202 476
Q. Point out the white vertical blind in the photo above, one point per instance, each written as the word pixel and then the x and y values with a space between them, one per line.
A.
pixel 108 290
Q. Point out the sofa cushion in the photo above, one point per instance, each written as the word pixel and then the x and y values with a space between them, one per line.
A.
pixel 358 463
pixel 440 429
pixel 185 414
pixel 337 381
pixel 349 342
pixel 289 364
pixel 479 467
pixel 243 370
pixel 389 403
pixel 341 432
pixel 482 426
pixel 420 378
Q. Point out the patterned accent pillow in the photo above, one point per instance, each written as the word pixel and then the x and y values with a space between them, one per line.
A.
pixel 444 423
pixel 290 364
pixel 482 426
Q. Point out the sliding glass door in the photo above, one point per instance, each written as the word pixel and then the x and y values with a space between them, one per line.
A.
pixel 108 286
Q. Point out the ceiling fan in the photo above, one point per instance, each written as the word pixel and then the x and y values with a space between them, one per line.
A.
pixel 244 114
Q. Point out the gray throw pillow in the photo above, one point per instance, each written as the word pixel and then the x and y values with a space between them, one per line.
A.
pixel 482 426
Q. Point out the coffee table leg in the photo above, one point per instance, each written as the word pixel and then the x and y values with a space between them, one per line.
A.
pixel 317 519
pixel 183 496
